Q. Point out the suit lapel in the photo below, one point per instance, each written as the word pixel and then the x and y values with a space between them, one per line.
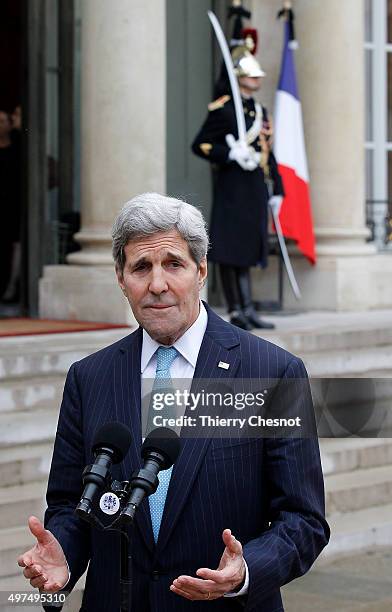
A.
pixel 220 344
pixel 128 378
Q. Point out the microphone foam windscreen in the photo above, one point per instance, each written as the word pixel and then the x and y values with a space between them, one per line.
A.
pixel 115 436
pixel 164 441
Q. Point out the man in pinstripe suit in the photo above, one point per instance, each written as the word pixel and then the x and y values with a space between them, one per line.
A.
pixel 241 517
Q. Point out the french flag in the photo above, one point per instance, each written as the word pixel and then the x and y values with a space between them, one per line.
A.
pixel 296 213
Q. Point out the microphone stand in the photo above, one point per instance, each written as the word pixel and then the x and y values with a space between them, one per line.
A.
pixel 147 482
pixel 131 493
pixel 125 530
pixel 126 574
pixel 123 524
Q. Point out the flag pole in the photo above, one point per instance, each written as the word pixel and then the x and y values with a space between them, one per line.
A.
pixel 288 15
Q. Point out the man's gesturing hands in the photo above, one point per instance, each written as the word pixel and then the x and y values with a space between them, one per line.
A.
pixel 46 567
pixel 45 564
pixel 213 584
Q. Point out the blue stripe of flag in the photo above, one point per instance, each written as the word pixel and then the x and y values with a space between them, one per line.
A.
pixel 288 79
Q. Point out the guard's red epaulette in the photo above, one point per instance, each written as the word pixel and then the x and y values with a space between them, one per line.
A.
pixel 219 103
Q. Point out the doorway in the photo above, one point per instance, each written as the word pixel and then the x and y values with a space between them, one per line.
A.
pixel 10 152
pixel 41 70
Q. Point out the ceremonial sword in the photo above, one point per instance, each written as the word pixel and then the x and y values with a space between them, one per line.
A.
pixel 240 119
pixel 235 90
pixel 283 248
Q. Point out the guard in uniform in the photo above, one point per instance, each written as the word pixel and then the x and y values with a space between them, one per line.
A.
pixel 245 177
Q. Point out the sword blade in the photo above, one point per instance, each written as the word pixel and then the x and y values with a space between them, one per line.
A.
pixel 285 255
pixel 235 90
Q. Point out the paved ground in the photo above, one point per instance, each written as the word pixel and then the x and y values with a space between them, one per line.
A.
pixel 359 583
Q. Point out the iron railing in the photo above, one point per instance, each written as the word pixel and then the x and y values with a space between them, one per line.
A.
pixel 379 222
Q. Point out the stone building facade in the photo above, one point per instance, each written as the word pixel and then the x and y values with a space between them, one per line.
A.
pixel 144 89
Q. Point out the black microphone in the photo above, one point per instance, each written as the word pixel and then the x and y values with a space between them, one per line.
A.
pixel 111 444
pixel 159 450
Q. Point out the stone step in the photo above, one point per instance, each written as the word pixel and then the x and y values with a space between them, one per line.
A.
pixel 18 502
pixel 13 542
pixel 359 530
pixel 19 584
pixel 315 332
pixel 345 455
pixel 27 427
pixel 347 407
pixel 327 350
pixel 337 344
pixel 358 489
pixel 29 356
pixel 31 393
pixel 310 331
pixel 349 363
pixel 27 463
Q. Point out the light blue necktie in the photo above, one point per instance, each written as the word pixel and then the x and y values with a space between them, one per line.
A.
pixel 165 358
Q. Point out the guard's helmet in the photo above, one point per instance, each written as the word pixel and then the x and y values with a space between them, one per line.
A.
pixel 245 63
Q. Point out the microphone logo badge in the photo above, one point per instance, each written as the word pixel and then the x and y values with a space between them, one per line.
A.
pixel 109 503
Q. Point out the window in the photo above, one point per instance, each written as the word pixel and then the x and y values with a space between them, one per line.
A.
pixel 378 144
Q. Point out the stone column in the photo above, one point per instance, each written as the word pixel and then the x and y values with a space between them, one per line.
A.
pixel 123 116
pixel 331 68
pixel 349 274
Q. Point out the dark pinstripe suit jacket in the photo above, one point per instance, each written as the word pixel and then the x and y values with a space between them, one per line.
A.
pixel 269 492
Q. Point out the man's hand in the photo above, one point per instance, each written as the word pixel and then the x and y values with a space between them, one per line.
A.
pixel 245 156
pixel 45 564
pixel 213 584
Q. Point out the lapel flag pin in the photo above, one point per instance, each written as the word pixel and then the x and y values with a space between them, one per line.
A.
pixel 224 365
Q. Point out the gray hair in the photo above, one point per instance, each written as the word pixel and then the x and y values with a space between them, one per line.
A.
pixel 149 213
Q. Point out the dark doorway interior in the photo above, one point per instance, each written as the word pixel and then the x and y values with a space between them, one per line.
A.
pixel 10 151
pixel 10 54
pixel 39 72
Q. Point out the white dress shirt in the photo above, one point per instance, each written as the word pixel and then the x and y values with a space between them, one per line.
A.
pixel 188 347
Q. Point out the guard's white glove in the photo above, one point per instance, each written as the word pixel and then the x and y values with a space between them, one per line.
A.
pixel 276 202
pixel 245 156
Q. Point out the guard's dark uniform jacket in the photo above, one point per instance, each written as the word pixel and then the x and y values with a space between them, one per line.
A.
pixel 239 220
